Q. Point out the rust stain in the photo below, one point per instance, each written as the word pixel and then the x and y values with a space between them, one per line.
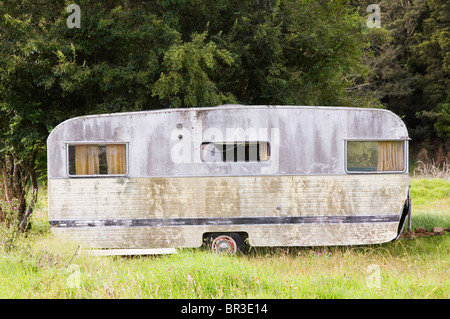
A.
pixel 117 198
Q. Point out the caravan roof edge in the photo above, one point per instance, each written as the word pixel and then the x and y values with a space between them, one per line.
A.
pixel 219 107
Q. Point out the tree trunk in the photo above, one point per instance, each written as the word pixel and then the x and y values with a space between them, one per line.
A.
pixel 29 167
pixel 18 178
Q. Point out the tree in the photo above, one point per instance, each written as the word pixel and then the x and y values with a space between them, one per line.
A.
pixel 431 58
pixel 409 59
pixel 187 82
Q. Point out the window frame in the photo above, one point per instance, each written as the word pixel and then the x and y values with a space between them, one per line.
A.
pixel 269 148
pixel 405 156
pixel 68 144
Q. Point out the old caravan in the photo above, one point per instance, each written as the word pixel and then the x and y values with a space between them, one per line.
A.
pixel 272 175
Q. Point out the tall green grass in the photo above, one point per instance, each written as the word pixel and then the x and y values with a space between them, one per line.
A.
pixel 428 192
pixel 43 267
pixel 431 202
pixel 413 269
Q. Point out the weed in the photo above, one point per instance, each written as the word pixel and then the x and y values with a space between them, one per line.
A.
pixel 9 231
pixel 429 169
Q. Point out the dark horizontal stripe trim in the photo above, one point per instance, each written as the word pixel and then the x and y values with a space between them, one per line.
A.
pixel 276 220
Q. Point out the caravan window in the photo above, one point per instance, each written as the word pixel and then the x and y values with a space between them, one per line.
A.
pixel 97 159
pixel 235 152
pixel 375 156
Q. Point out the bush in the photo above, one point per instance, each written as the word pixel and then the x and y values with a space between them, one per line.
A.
pixel 9 228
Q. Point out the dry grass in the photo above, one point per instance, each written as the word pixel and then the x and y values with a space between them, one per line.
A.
pixel 430 169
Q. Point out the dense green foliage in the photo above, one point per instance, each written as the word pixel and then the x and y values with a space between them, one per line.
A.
pixel 410 68
pixel 138 55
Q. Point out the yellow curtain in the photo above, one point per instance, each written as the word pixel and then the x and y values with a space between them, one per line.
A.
pixel 86 160
pixel 116 159
pixel 264 153
pixel 390 156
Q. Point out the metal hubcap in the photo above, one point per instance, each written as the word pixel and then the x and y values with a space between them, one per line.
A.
pixel 224 245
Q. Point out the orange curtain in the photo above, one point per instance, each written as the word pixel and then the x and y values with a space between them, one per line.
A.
pixel 116 159
pixel 390 156
pixel 264 152
pixel 86 160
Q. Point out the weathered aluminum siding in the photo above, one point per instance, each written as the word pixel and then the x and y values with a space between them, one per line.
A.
pixel 310 139
pixel 258 196
pixel 305 176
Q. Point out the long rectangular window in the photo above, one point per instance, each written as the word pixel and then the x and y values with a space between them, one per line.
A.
pixel 97 159
pixel 375 156
pixel 235 152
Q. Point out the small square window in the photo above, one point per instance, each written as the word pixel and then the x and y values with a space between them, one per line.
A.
pixel 375 156
pixel 97 159
pixel 235 151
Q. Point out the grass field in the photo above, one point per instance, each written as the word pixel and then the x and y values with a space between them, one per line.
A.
pixel 42 267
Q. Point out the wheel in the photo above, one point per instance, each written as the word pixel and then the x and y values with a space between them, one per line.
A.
pixel 225 244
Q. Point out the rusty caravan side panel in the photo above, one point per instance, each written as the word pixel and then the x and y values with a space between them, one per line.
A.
pixel 273 210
